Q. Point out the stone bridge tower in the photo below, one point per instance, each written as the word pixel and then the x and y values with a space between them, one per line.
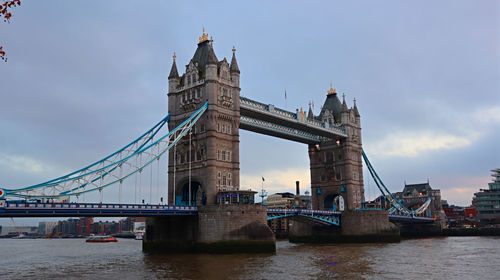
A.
pixel 214 144
pixel 336 167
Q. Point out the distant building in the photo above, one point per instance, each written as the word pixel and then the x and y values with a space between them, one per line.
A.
pixel 286 200
pixel 471 213
pixel 414 195
pixel 14 231
pixel 105 227
pixel 487 201
pixel 455 214
pixel 45 228
pixel 280 200
pixel 69 226
pixel 127 224
pixel 306 200
pixel 280 227
pixel 85 225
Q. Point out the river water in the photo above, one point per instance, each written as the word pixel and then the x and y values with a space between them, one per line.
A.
pixel 429 258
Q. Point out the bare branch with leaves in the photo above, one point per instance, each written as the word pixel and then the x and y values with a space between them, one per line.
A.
pixel 5 14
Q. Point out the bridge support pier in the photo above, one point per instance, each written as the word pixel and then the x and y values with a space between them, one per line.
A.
pixel 217 229
pixel 356 226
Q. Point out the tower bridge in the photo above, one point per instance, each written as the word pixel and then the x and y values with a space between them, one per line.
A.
pixel 205 113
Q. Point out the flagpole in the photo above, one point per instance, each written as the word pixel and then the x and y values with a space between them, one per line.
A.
pixel 286 107
pixel 262 202
pixel 262 194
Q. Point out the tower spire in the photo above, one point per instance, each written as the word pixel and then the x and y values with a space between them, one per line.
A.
pixel 173 70
pixel 234 64
pixel 344 104
pixel 356 112
pixel 310 114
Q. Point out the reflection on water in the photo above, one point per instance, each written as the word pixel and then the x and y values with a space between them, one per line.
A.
pixel 431 258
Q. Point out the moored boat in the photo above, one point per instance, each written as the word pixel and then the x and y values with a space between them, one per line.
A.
pixel 139 235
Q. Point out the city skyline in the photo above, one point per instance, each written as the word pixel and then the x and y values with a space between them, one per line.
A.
pixel 83 83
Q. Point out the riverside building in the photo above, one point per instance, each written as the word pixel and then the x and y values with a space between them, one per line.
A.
pixel 487 201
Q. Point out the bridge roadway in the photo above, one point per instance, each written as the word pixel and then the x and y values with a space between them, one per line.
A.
pixel 57 209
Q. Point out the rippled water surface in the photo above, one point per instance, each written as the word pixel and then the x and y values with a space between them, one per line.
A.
pixel 431 258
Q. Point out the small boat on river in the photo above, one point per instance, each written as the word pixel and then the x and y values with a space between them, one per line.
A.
pixel 101 238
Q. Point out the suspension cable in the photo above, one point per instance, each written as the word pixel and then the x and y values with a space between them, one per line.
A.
pixel 135 189
pixel 190 132
pixel 121 182
pixel 89 180
pixel 175 161
pixel 158 177
pixel 150 184
pixel 140 179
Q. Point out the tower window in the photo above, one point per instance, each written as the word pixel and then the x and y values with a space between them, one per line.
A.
pixel 338 175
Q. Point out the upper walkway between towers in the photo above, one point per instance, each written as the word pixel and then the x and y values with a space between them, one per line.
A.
pixel 270 120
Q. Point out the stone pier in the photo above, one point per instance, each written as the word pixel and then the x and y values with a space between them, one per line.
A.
pixel 356 226
pixel 216 229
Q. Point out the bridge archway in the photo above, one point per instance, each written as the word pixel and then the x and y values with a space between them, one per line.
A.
pixel 334 202
pixel 196 190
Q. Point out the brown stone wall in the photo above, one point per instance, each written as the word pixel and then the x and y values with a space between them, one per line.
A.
pixel 233 222
pixel 368 222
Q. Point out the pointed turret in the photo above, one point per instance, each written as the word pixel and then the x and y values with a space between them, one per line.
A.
pixel 212 58
pixel 356 112
pixel 234 65
pixel 344 114
pixel 173 77
pixel 173 71
pixel 344 105
pixel 234 69
pixel 310 114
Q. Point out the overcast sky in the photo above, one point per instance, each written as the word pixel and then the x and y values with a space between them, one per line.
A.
pixel 84 78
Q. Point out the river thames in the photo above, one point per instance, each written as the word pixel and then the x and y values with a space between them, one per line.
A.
pixel 429 258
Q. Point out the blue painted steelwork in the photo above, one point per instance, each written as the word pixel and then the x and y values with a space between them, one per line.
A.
pixel 411 219
pixel 64 186
pixel 397 206
pixel 35 209
pixel 153 130
pixel 321 216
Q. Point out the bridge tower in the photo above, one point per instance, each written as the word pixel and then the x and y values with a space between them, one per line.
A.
pixel 336 164
pixel 214 145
